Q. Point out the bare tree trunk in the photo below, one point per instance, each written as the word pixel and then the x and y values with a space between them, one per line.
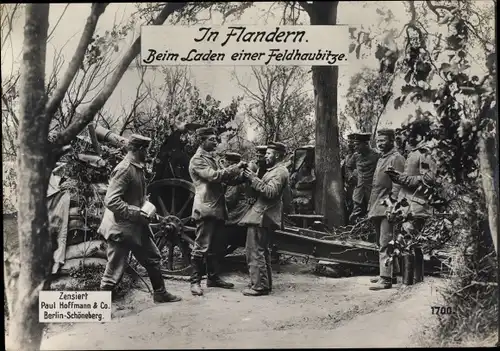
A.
pixel 329 193
pixel 25 332
pixel 489 175
pixel 34 166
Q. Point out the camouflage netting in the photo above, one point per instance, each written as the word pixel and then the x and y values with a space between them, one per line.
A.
pixel 84 174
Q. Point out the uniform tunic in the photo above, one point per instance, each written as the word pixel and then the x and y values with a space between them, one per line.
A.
pixel 419 167
pixel 262 218
pixel 128 187
pixel 209 206
pixel 383 187
pixel 365 168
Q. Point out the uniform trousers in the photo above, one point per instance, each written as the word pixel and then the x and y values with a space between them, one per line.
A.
pixel 210 244
pixel 147 254
pixel 385 233
pixel 259 258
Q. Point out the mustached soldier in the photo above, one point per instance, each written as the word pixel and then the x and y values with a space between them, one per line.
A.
pixel 264 217
pixel 124 227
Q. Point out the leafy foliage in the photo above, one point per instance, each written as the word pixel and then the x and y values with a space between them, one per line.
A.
pixel 177 102
pixel 367 95
pixel 438 72
pixel 460 101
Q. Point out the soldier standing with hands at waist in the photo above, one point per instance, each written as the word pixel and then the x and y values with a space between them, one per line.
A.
pixel 263 217
pixel 123 225
pixel 209 211
pixel 382 188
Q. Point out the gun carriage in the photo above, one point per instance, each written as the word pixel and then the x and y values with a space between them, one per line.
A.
pixel 303 233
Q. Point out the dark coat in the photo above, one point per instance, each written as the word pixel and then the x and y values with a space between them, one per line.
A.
pixel 267 211
pixel 382 185
pixel 127 187
pixel 420 167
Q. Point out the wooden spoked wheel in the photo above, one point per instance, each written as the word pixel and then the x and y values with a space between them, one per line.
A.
pixel 175 233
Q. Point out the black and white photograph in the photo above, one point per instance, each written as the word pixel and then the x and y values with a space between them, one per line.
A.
pixel 244 175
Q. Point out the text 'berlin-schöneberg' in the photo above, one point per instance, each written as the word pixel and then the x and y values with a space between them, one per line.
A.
pixel 241 35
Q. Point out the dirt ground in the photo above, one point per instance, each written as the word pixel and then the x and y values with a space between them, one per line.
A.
pixel 304 310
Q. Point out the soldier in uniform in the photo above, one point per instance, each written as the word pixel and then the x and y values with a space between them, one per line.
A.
pixel 125 228
pixel 236 194
pixel 419 171
pixel 382 188
pixel 366 161
pixel 349 172
pixel 209 211
pixel 259 165
pixel 264 217
pixel 302 183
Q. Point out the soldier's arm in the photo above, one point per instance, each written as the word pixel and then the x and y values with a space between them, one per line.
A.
pixel 116 190
pixel 201 168
pixel 399 165
pixel 426 174
pixel 272 187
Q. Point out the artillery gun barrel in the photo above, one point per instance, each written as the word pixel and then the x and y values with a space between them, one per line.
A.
pixel 105 135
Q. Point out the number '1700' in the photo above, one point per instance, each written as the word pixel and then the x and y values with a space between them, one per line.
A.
pixel 442 310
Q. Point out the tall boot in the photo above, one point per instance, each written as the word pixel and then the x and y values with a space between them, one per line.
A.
pixel 195 280
pixel 160 293
pixel 213 278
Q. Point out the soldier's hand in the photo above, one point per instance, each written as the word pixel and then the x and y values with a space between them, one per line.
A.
pixel 249 174
pixel 242 164
pixel 134 213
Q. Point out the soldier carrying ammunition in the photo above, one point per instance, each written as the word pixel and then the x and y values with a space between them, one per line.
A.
pixel 123 225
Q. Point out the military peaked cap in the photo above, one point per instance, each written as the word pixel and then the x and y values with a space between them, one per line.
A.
pixel 206 131
pixel 261 149
pixel 139 140
pixel 232 156
pixel 362 136
pixel 277 146
pixel 352 136
pixel 386 131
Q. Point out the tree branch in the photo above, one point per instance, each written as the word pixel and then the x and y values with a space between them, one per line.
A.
pixel 75 63
pixel 84 117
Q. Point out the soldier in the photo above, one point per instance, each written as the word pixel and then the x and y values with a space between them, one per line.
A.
pixel 259 165
pixel 302 182
pixel 125 228
pixel 264 217
pixel 383 187
pixel 235 193
pixel 366 161
pixel 349 171
pixel 209 211
pixel 419 170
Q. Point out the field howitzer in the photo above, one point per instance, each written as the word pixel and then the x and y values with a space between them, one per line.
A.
pixel 105 135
